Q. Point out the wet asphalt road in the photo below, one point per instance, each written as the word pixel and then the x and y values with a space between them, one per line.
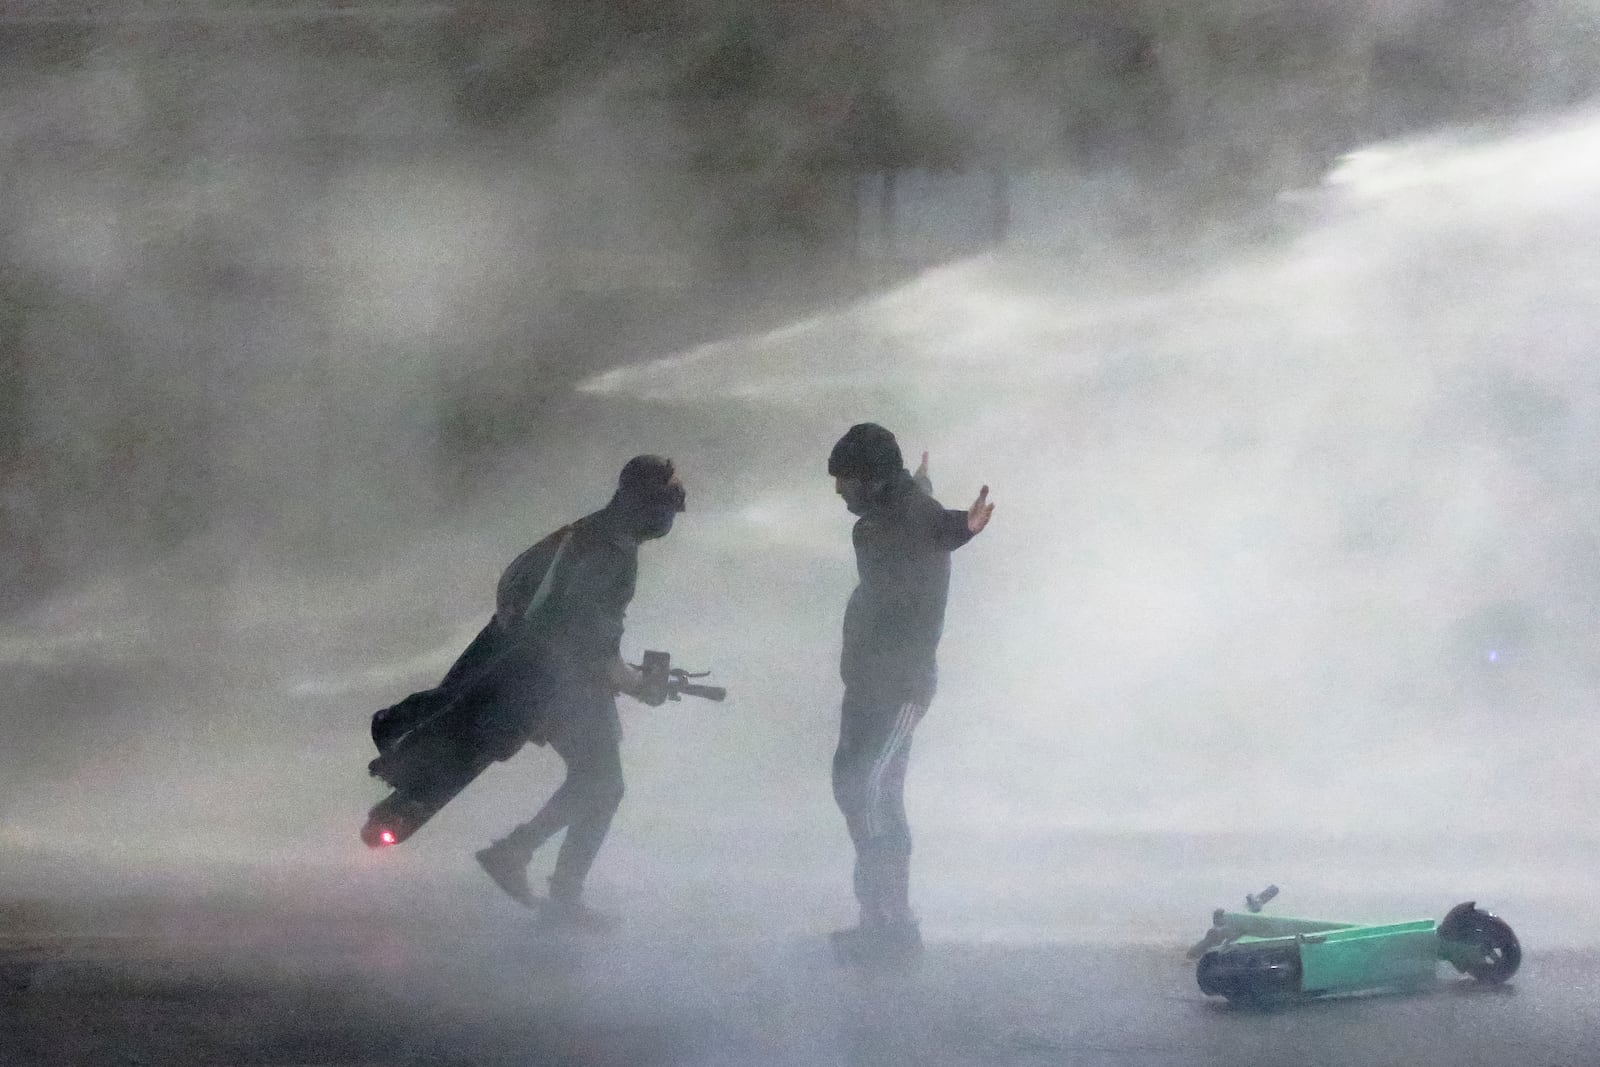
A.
pixel 299 991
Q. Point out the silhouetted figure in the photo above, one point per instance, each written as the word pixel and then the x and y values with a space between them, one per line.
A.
pixel 563 601
pixel 903 539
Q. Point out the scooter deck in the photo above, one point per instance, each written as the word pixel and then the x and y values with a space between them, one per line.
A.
pixel 427 774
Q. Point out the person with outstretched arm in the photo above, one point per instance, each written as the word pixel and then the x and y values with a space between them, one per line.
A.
pixel 903 539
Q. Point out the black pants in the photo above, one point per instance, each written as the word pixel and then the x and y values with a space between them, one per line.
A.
pixel 583 727
pixel 869 776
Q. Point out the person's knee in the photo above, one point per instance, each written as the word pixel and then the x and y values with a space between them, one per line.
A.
pixel 850 786
pixel 852 799
pixel 891 847
pixel 611 792
pixel 896 844
pixel 602 791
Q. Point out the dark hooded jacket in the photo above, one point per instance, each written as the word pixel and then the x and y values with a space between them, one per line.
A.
pixel 566 597
pixel 556 631
pixel 903 540
pixel 558 624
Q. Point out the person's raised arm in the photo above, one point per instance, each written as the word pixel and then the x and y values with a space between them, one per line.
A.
pixel 955 528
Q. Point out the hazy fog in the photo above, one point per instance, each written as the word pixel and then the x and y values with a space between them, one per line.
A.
pixel 1295 526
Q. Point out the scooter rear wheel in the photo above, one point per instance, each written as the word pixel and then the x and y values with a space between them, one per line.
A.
pixel 1250 973
pixel 1496 952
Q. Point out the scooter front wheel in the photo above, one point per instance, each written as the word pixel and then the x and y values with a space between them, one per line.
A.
pixel 392 820
pixel 1485 945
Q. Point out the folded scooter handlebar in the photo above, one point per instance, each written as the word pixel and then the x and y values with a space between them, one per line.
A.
pixel 706 692
pixel 674 683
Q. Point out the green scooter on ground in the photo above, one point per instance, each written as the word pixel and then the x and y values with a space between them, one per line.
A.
pixel 1247 956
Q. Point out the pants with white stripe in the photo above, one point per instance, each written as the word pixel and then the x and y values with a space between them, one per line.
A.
pixel 869 776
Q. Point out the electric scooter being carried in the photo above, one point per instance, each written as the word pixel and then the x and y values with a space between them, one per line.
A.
pixel 436 755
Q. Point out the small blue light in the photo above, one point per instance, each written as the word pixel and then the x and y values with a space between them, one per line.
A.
pixel 1494 655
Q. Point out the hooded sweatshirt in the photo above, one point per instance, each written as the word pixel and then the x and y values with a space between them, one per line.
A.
pixel 895 617
pixel 567 595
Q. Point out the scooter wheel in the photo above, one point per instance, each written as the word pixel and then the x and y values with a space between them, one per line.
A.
pixel 1496 953
pixel 391 821
pixel 1250 974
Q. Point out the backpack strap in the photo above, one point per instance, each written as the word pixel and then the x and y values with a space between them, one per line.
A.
pixel 547 583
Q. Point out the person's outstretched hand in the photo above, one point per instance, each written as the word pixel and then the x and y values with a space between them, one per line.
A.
pixel 978 514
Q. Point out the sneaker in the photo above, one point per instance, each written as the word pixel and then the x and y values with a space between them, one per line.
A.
pixel 559 915
pixel 507 873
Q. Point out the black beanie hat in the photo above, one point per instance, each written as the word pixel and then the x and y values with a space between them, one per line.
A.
pixel 643 475
pixel 866 451
pixel 646 499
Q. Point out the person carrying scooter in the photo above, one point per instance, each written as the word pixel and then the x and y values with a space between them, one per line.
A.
pixel 563 600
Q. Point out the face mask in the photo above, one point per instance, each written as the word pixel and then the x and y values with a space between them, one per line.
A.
pixel 857 494
pixel 652 518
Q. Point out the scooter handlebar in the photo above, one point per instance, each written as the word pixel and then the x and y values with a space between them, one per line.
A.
pixel 667 682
